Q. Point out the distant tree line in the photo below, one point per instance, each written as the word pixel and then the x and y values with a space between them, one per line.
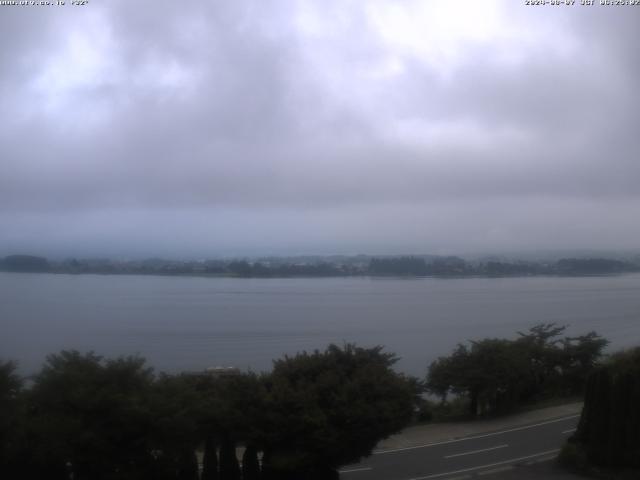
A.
pixel 455 266
pixel 89 418
pixel 257 269
pixel 329 267
pixel 24 263
pixel 496 375
pixel 417 266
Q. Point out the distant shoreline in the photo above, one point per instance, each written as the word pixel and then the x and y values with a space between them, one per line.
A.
pixel 306 277
pixel 327 267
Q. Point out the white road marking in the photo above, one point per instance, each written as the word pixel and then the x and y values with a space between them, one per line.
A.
pixel 496 470
pixel 571 430
pixel 436 475
pixel 355 470
pixel 476 451
pixel 516 429
pixel 539 460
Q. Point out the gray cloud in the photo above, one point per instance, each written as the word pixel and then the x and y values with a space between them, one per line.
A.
pixel 307 126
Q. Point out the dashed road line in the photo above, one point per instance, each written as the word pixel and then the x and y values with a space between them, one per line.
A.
pixel 480 467
pixel 353 470
pixel 476 451
pixel 496 470
pixel 541 460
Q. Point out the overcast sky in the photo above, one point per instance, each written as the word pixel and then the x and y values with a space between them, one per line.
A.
pixel 206 128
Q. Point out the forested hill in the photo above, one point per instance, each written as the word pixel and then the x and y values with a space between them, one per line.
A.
pixel 331 266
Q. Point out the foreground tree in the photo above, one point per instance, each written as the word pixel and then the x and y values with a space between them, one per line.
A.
pixel 491 374
pixel 498 374
pixel 579 358
pixel 210 459
pixel 609 428
pixel 250 464
pixel 10 420
pixel 88 417
pixel 229 466
pixel 327 409
pixel 232 411
pixel 176 409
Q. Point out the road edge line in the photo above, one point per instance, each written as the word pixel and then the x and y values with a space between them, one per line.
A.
pixel 471 469
pixel 474 437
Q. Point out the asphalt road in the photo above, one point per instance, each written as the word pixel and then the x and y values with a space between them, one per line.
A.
pixel 470 456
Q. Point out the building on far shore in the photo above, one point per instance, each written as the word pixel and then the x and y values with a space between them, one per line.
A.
pixel 222 371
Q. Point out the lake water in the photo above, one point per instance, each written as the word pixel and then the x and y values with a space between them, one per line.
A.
pixel 183 323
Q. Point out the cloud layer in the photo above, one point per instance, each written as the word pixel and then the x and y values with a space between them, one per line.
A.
pixel 259 127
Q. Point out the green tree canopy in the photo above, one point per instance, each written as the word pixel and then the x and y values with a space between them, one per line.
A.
pixel 609 428
pixel 90 416
pixel 498 374
pixel 10 417
pixel 330 408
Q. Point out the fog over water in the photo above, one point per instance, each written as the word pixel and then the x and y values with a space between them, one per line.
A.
pixel 181 323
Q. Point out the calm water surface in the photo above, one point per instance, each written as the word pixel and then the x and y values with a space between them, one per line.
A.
pixel 182 323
